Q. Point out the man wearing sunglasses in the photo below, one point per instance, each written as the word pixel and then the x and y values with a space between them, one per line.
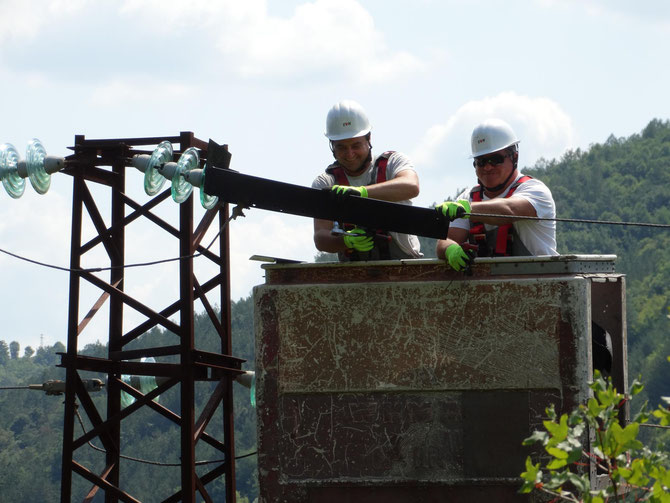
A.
pixel 502 192
pixel 389 177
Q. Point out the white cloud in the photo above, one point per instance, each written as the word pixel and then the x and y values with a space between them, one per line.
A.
pixel 20 19
pixel 332 37
pixel 37 226
pixel 266 233
pixel 653 12
pixel 321 40
pixel 23 19
pixel 544 129
pixel 137 90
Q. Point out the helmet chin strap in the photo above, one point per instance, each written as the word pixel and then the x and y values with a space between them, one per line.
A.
pixel 500 186
pixel 363 165
pixel 504 184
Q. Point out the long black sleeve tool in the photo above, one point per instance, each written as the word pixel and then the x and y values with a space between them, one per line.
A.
pixel 254 192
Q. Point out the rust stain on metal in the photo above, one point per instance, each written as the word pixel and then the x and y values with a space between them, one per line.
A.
pixel 418 336
pixel 409 388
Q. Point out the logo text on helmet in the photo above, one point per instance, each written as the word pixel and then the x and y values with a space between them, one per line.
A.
pixel 345 124
pixel 482 140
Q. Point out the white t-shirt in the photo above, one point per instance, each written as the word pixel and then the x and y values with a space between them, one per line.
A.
pixel 538 236
pixel 397 163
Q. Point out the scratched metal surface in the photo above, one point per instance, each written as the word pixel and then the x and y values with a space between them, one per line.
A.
pixel 365 436
pixel 430 384
pixel 421 336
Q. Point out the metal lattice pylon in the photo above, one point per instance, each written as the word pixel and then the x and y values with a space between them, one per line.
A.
pixel 87 166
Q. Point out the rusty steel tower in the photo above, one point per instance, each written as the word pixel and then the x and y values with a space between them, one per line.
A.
pixel 103 163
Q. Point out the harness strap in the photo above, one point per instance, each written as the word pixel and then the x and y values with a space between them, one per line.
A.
pixel 478 230
pixel 335 169
pixel 340 175
pixel 380 166
pixel 338 172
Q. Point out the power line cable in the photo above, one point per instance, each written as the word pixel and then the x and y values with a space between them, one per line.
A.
pixel 156 463
pixel 130 458
pixel 647 425
pixel 574 220
pixel 237 211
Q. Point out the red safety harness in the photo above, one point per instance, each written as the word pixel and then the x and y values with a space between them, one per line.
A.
pixel 382 248
pixel 380 165
pixel 503 233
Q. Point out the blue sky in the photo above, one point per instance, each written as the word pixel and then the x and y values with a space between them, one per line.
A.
pixel 260 76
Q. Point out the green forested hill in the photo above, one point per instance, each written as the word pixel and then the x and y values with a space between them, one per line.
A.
pixel 31 425
pixel 627 180
pixel 623 179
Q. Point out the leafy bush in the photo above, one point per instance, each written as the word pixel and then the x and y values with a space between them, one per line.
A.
pixel 634 471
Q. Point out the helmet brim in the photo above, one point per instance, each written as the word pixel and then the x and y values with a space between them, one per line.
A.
pixel 497 149
pixel 346 136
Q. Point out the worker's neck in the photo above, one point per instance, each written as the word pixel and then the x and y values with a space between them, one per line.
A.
pixel 492 192
pixel 361 169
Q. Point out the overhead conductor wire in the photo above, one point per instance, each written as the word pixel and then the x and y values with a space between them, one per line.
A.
pixel 237 211
pixel 575 220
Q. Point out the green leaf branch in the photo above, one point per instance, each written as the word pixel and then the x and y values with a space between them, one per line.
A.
pixel 593 435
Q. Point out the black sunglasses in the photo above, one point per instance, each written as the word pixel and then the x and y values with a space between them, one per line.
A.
pixel 493 160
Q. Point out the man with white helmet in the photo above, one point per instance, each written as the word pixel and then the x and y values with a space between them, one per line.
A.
pixel 501 190
pixel 389 177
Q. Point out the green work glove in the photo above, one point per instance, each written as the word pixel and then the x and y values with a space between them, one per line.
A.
pixel 454 209
pixel 341 190
pixel 456 257
pixel 358 240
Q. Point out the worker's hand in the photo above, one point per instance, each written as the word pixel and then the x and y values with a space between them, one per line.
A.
pixel 457 257
pixel 341 190
pixel 454 209
pixel 358 240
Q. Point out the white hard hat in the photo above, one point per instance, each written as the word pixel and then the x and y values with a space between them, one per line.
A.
pixel 346 119
pixel 490 136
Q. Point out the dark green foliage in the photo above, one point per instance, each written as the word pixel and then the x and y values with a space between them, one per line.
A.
pixel 31 425
pixel 14 348
pixel 325 257
pixel 428 246
pixel 4 353
pixel 30 433
pixel 593 433
pixel 49 356
pixel 624 180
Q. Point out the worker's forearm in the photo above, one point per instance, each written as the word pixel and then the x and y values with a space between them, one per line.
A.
pixel 327 242
pixel 442 246
pixel 397 189
pixel 504 206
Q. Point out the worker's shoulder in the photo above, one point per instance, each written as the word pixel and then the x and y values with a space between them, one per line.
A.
pixel 323 180
pixel 394 154
pixel 396 159
pixel 531 183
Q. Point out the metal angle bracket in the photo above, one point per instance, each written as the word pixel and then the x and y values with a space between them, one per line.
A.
pixel 560 264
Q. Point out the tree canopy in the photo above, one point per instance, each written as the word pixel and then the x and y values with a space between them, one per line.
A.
pixel 622 179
